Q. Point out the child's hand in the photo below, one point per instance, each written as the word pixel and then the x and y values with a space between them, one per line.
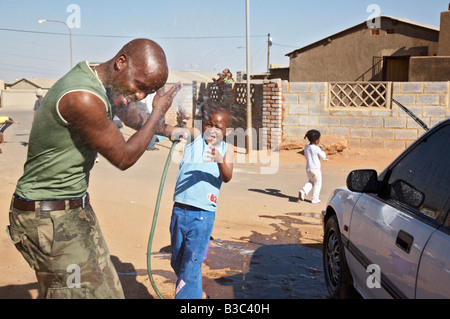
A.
pixel 213 155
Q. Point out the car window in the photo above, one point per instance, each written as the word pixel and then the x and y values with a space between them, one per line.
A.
pixel 421 180
pixel 447 221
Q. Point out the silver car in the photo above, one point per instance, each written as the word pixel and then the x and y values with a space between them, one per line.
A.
pixel 388 236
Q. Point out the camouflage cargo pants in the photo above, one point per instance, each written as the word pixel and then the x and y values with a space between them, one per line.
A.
pixel 67 251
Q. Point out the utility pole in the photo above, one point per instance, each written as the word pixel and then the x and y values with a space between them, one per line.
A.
pixel 249 100
pixel 269 44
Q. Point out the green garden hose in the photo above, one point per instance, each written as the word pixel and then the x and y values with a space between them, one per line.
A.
pixel 155 218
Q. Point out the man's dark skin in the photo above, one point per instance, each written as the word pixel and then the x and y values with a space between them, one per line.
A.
pixel 139 69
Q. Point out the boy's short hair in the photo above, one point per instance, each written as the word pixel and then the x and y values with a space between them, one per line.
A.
pixel 312 135
pixel 224 111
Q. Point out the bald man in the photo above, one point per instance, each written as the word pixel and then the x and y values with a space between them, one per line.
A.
pixel 51 220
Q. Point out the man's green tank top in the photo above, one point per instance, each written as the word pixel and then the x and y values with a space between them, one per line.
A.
pixel 59 160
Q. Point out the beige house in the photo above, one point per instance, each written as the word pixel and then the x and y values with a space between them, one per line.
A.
pixel 434 68
pixel 22 93
pixel 362 53
pixel 31 84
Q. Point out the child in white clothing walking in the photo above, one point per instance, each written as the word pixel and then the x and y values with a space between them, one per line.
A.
pixel 313 153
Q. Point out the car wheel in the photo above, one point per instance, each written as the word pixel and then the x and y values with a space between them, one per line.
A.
pixel 337 276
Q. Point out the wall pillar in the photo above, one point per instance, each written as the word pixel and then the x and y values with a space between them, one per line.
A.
pixel 272 114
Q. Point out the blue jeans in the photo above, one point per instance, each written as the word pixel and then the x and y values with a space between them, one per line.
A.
pixel 190 230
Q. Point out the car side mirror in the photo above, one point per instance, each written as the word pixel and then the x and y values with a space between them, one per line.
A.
pixel 406 193
pixel 363 181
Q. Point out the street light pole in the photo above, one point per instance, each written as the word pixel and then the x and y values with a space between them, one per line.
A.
pixel 70 36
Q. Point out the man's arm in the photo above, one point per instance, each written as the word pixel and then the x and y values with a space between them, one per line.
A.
pixel 135 119
pixel 87 113
pixel 132 116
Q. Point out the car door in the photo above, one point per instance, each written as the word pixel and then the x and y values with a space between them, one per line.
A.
pixel 433 280
pixel 386 237
pixel 391 229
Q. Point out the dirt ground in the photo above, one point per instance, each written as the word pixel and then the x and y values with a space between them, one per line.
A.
pixel 259 216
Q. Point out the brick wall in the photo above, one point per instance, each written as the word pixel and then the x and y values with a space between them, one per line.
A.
pixel 232 97
pixel 305 107
pixel 272 113
pixel 285 111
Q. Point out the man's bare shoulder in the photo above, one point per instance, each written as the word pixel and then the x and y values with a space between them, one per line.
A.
pixel 80 104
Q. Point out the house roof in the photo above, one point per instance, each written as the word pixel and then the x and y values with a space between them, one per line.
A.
pixel 403 20
pixel 37 82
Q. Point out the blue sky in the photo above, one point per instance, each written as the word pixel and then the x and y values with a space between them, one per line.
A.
pixel 201 35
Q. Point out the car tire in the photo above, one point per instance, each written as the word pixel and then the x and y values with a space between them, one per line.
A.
pixel 337 275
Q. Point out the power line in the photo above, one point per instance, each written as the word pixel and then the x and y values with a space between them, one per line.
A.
pixel 31 57
pixel 132 37
pixel 27 71
pixel 28 68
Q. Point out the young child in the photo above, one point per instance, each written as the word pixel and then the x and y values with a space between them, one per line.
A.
pixel 313 153
pixel 5 122
pixel 206 163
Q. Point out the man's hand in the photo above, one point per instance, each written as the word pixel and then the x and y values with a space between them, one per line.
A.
pixel 180 133
pixel 163 100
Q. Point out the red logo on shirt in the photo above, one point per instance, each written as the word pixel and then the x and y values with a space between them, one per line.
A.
pixel 212 198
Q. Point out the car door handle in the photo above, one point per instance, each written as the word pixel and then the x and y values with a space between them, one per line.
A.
pixel 404 241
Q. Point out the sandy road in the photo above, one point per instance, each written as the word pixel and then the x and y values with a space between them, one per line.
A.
pixel 261 228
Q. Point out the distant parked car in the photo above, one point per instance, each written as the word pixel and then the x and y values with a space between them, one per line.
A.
pixel 388 236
